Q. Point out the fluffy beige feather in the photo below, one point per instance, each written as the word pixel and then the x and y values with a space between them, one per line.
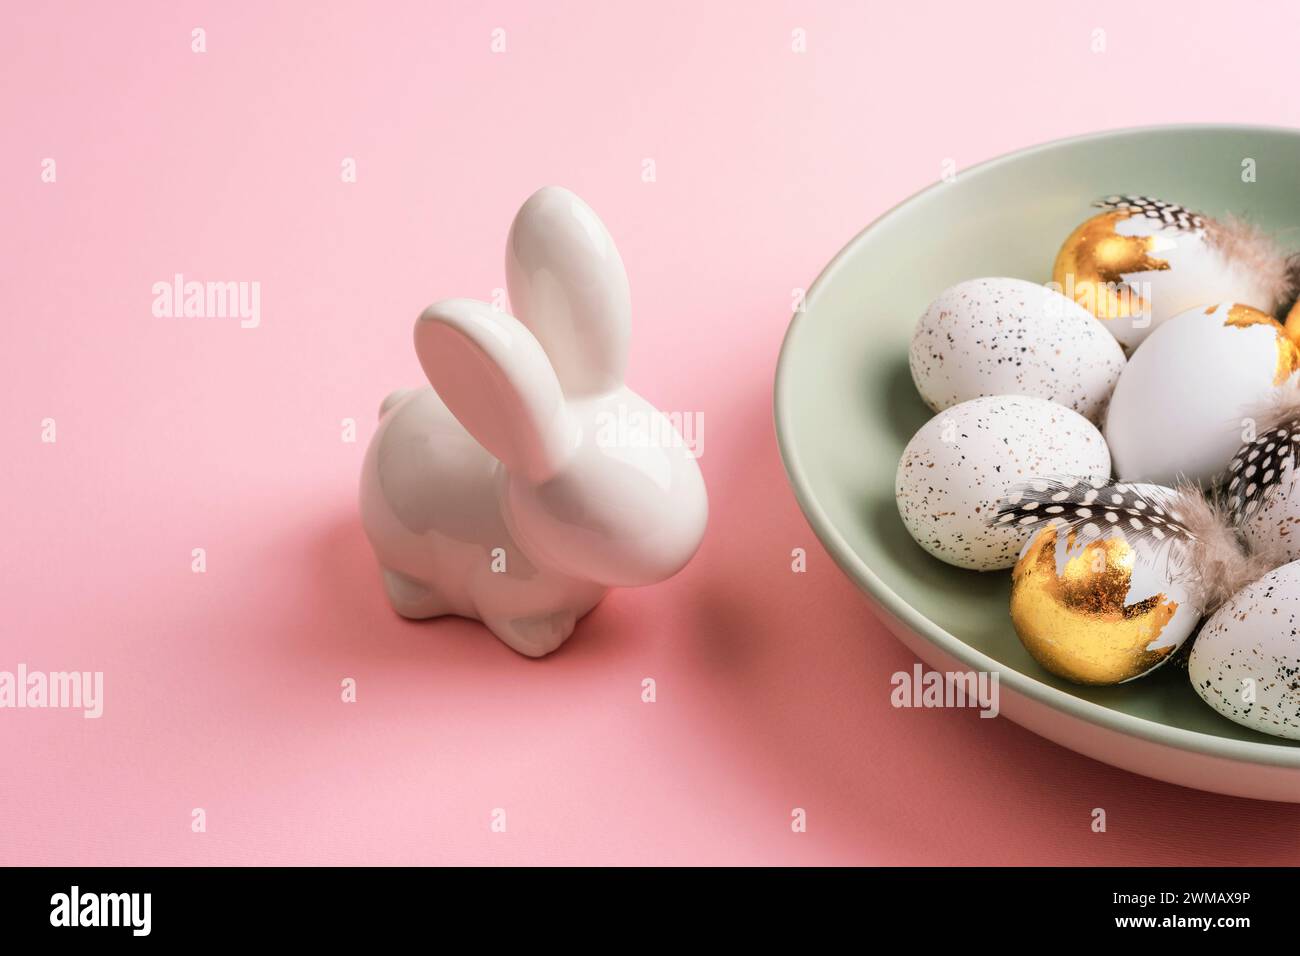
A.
pixel 1252 248
pixel 1216 565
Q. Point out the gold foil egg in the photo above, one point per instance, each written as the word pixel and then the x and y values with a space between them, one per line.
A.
pixel 1141 261
pixel 1097 595
pixel 1076 609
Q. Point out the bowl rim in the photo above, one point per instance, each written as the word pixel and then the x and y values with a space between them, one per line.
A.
pixel 1253 752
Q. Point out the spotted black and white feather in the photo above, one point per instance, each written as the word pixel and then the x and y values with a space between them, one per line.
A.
pixel 1198 534
pixel 1259 467
pixel 1094 509
pixel 1167 213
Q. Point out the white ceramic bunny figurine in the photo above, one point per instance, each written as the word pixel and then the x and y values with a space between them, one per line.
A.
pixel 529 480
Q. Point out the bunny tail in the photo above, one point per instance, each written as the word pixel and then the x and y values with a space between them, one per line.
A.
pixel 392 399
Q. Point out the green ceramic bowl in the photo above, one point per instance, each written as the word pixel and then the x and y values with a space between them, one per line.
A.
pixel 846 406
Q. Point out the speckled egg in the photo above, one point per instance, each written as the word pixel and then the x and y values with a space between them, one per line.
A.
pixel 1178 409
pixel 963 460
pixel 1141 261
pixel 1246 661
pixel 1011 337
pixel 1262 492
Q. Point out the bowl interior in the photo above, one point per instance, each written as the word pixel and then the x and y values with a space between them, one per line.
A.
pixel 846 405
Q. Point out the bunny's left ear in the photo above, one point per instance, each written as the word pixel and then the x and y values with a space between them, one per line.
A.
pixel 568 286
pixel 497 381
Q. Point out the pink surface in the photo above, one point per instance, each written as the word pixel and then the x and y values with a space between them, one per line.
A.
pixel 223 689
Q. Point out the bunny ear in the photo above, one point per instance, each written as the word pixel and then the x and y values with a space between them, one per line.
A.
pixel 568 285
pixel 497 381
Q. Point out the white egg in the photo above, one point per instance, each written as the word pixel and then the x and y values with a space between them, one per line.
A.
pixel 1263 494
pixel 1178 409
pixel 963 460
pixel 1000 336
pixel 1246 661
pixel 1143 261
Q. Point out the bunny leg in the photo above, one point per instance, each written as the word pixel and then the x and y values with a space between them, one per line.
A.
pixel 537 634
pixel 410 598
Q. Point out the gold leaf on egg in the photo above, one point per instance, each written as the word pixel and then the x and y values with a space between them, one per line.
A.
pixel 1074 615
pixel 1095 261
pixel 1288 354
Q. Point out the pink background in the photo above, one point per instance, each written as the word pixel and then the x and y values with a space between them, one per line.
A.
pixel 222 689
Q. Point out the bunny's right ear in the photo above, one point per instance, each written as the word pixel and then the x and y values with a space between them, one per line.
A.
pixel 498 382
pixel 568 285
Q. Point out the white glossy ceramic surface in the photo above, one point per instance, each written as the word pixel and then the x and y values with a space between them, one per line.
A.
pixel 530 479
